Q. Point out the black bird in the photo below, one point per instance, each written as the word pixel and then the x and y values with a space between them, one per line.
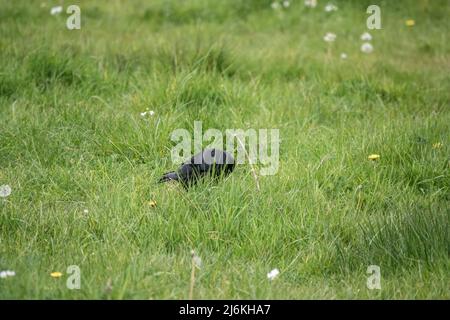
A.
pixel 209 162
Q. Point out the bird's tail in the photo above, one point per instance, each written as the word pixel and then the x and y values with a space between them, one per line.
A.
pixel 169 176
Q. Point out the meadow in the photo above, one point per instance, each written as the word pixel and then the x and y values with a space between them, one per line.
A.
pixel 82 162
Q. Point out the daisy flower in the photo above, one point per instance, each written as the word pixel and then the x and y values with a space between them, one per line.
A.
pixel 344 56
pixel 366 47
pixel 56 10
pixel 6 274
pixel 151 113
pixel 329 37
pixel 311 3
pixel 273 274
pixel 275 5
pixel 366 36
pixel 5 191
pixel 330 7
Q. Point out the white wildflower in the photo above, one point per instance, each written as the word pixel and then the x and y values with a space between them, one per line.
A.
pixel 330 7
pixel 344 56
pixel 7 273
pixel 286 4
pixel 275 5
pixel 273 274
pixel 56 10
pixel 5 190
pixel 366 36
pixel 329 37
pixel 196 259
pixel 366 47
pixel 148 112
pixel 311 3
pixel 85 211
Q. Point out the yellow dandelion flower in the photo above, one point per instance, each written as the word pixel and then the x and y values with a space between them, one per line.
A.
pixel 56 274
pixel 152 203
pixel 437 145
pixel 374 157
pixel 410 23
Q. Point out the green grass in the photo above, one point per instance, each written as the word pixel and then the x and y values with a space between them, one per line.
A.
pixel 71 138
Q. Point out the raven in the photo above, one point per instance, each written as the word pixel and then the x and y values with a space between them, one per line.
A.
pixel 209 162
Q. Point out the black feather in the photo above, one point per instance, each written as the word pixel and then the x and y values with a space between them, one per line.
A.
pixel 169 176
